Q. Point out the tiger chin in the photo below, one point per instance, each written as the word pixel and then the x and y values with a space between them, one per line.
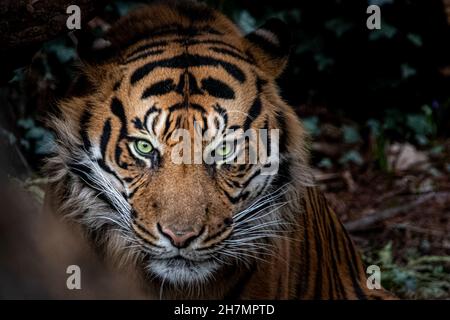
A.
pixel 208 229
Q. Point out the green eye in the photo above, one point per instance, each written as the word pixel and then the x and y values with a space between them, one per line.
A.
pixel 143 147
pixel 223 150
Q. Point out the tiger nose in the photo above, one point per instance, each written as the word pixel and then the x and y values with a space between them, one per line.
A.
pixel 178 237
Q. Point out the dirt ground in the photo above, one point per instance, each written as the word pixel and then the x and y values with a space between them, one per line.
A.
pixel 399 220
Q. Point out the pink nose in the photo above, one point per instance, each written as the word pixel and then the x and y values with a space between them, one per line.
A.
pixel 179 238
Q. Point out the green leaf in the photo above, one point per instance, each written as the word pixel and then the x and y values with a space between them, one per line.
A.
pixel 63 52
pixel 387 31
pixel 427 110
pixel 43 138
pixel 374 126
pixel 312 125
pixel 323 62
pixel 18 75
pixel 8 136
pixel 407 71
pixel 419 124
pixel 422 140
pixel 309 43
pixel 385 254
pixel 123 7
pixel 325 163
pixel 351 134
pixel 415 39
pixel 45 144
pixel 339 26
pixel 437 150
pixel 26 123
pixel 351 156
pixel 25 144
pixel 246 21
pixel 380 2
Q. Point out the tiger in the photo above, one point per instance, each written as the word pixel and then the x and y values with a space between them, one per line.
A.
pixel 205 229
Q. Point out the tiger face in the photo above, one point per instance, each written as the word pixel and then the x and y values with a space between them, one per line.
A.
pixel 148 157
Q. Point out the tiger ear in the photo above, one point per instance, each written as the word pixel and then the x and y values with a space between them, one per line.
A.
pixel 270 46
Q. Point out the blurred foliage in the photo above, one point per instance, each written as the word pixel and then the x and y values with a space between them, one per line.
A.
pixel 421 277
pixel 336 60
pixel 418 128
pixel 390 79
pixel 312 125
pixel 36 137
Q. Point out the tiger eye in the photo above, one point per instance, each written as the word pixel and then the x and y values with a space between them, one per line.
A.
pixel 143 147
pixel 223 150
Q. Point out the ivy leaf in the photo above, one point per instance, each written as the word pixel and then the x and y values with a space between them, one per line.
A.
pixel 63 52
pixel 323 62
pixel 351 156
pixel 415 39
pixel 339 26
pixel 351 135
pixel 407 71
pixel 380 2
pixel 325 163
pixel 246 21
pixel 312 125
pixel 387 31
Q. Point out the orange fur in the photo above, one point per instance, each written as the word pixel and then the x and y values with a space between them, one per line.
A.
pixel 185 48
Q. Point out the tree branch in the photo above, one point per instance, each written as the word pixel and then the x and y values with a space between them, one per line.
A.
pixel 370 221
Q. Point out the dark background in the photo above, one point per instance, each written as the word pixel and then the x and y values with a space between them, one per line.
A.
pixel 376 103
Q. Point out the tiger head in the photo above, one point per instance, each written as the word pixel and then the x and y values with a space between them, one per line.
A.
pixel 146 153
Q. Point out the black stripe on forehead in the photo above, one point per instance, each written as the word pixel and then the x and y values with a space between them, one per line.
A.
pixel 185 61
pixel 159 88
pixel 138 123
pixel 144 55
pixel 117 85
pixel 181 106
pixel 187 80
pixel 214 42
pixel 230 53
pixel 255 109
pixel 174 116
pixel 253 113
pixel 222 47
pixel 217 88
pixel 147 46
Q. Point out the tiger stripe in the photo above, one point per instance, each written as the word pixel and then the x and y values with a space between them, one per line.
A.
pixel 260 236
